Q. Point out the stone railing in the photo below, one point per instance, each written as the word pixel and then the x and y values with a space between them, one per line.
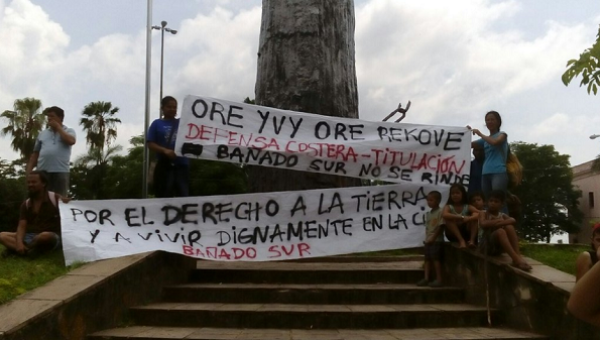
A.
pixel 534 301
pixel 93 297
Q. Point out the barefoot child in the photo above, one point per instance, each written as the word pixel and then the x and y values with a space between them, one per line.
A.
pixel 433 241
pixel 499 233
pixel 460 217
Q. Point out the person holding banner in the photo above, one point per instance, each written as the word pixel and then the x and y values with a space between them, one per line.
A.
pixel 171 174
pixel 495 146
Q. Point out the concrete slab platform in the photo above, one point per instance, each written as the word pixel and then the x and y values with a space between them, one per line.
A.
pixel 315 266
pixel 302 334
pixel 61 308
pixel 233 307
pixel 17 312
pixel 328 286
pixel 109 266
pixel 540 272
pixel 64 288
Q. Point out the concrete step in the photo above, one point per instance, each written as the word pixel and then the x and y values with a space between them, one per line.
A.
pixel 365 257
pixel 407 272
pixel 158 333
pixel 296 316
pixel 312 293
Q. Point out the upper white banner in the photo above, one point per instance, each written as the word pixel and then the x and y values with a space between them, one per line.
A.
pixel 394 152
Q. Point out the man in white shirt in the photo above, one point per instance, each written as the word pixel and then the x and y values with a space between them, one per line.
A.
pixel 52 151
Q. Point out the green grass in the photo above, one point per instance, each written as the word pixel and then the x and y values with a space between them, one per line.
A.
pixel 19 275
pixel 561 257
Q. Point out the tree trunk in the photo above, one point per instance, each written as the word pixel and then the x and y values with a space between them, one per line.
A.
pixel 305 63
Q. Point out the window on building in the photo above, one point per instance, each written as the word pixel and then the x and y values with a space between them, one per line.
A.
pixel 591 199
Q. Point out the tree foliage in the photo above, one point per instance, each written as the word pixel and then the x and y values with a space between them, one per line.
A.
pixel 588 66
pixel 114 177
pixel 216 178
pixel 13 191
pixel 93 168
pixel 99 123
pixel 25 122
pixel 124 174
pixel 119 176
pixel 550 201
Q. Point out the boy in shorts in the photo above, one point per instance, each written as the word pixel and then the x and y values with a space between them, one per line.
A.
pixel 499 233
pixel 433 241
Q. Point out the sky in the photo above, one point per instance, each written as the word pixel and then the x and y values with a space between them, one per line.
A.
pixel 454 60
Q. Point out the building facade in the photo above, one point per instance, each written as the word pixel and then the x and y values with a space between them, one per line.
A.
pixel 589 184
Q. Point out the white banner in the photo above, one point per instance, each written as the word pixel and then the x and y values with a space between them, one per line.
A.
pixel 242 133
pixel 250 227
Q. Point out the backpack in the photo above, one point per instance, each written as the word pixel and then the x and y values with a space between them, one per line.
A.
pixel 52 196
pixel 514 169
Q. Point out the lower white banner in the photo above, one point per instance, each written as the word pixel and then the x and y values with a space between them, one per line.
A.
pixel 249 227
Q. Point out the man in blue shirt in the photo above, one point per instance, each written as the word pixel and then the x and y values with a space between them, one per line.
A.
pixel 172 173
pixel 52 151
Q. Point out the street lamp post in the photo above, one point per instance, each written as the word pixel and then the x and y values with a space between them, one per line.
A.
pixel 163 27
pixel 145 163
pixel 594 136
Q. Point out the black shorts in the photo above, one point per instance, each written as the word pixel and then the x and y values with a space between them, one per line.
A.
pixel 489 244
pixel 434 251
pixel 464 231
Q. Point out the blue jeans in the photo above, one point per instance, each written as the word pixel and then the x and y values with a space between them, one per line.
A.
pixel 490 182
pixel 28 238
pixel 171 180
pixel 58 182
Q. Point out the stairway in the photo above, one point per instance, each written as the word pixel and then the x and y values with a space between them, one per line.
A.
pixel 334 298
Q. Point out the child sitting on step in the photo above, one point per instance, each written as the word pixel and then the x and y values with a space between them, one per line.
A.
pixel 460 217
pixel 433 241
pixel 499 232
pixel 584 302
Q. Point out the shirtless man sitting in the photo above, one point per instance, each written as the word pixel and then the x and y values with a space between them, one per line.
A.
pixel 39 220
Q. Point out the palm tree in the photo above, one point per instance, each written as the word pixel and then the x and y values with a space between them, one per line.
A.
pixel 24 124
pixel 94 165
pixel 136 141
pixel 99 124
